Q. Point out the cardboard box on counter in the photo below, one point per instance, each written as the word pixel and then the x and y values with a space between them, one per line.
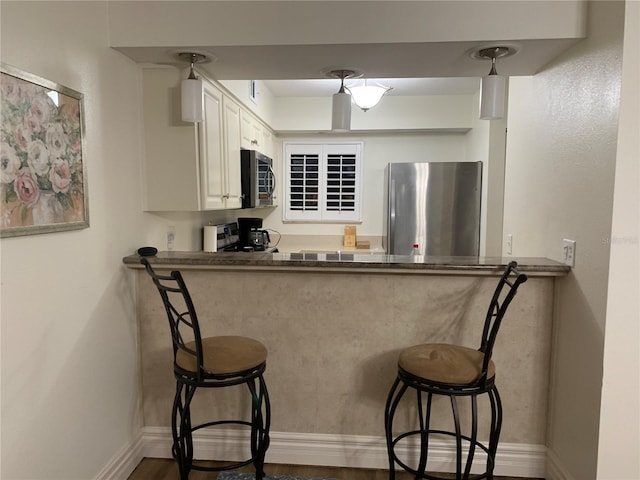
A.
pixel 349 236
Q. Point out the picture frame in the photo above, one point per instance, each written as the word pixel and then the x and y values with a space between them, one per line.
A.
pixel 43 180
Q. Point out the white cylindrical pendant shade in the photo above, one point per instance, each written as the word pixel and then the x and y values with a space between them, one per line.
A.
pixel 492 95
pixel 341 114
pixel 192 100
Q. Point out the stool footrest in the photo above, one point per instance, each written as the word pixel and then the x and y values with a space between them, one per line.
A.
pixel 220 422
pixel 427 476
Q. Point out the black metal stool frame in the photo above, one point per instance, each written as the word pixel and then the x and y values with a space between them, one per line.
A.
pixel 482 385
pixel 187 382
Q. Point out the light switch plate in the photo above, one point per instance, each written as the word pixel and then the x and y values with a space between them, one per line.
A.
pixel 569 252
pixel 509 244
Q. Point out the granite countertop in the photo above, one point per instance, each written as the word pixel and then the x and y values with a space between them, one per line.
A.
pixel 350 262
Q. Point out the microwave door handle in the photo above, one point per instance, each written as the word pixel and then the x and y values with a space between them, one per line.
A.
pixel 272 181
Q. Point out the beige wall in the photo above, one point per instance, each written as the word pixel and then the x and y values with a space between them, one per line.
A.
pixel 561 154
pixel 69 358
pixel 619 440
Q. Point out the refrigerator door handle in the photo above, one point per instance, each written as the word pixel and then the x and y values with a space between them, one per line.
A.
pixel 392 214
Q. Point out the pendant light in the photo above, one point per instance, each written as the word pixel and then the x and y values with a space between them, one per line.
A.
pixel 192 91
pixel 367 96
pixel 341 109
pixel 493 87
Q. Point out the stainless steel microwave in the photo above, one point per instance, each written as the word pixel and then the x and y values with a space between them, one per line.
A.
pixel 258 179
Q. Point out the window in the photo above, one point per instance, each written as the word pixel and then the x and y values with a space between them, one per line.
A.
pixel 323 182
pixel 253 91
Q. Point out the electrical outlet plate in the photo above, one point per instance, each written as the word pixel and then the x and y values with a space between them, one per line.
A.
pixel 509 244
pixel 171 237
pixel 569 252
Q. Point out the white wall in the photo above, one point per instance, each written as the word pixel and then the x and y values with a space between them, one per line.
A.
pixel 70 388
pixel 561 153
pixel 619 441
pixel 379 149
pixel 263 106
pixel 394 112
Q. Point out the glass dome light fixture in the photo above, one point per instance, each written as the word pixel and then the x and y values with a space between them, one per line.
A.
pixel 367 96
pixel 192 90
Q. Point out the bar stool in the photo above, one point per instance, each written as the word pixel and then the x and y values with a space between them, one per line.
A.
pixel 453 371
pixel 211 362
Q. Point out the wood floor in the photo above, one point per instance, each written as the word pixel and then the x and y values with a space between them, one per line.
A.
pixel 165 469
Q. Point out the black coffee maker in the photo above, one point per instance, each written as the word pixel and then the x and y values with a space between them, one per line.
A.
pixel 250 231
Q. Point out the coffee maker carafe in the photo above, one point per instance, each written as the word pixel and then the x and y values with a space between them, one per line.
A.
pixel 245 226
pixel 259 239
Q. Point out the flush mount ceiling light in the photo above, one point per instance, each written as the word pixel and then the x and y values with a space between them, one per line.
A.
pixel 493 87
pixel 367 96
pixel 341 110
pixel 192 92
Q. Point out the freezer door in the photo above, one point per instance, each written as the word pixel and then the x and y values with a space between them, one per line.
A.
pixel 436 205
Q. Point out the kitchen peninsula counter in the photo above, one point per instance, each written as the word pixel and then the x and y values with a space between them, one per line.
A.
pixel 533 266
pixel 334 324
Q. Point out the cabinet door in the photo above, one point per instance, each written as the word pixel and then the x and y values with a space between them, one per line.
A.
pixel 212 172
pixel 267 142
pixel 232 153
pixel 250 131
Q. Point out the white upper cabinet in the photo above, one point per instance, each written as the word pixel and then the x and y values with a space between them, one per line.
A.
pixel 231 112
pixel 214 190
pixel 255 135
pixel 188 167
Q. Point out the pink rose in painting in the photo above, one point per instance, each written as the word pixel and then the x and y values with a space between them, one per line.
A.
pixel 9 164
pixel 10 89
pixel 76 144
pixel 22 136
pixel 41 109
pixel 38 158
pixel 60 176
pixel 26 187
pixel 32 122
pixel 56 140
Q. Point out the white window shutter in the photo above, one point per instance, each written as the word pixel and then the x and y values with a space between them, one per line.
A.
pixel 342 183
pixel 303 178
pixel 323 182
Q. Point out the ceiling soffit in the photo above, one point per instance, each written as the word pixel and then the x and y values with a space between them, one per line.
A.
pixel 271 40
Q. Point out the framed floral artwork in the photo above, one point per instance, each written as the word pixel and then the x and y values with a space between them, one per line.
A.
pixel 43 183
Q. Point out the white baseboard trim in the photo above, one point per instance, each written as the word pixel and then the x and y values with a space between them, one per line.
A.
pixel 555 469
pixel 357 451
pixel 124 462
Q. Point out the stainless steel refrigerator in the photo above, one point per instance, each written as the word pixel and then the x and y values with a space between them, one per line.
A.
pixel 433 204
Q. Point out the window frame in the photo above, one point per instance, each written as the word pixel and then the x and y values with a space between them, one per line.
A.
pixel 323 150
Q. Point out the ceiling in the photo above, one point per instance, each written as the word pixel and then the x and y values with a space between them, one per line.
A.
pixel 416 47
pixel 410 69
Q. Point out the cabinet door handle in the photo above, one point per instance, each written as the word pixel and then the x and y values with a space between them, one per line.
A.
pixel 254 142
pixel 225 196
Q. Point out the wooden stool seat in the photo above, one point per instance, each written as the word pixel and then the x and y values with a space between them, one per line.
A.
pixel 223 355
pixel 444 363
